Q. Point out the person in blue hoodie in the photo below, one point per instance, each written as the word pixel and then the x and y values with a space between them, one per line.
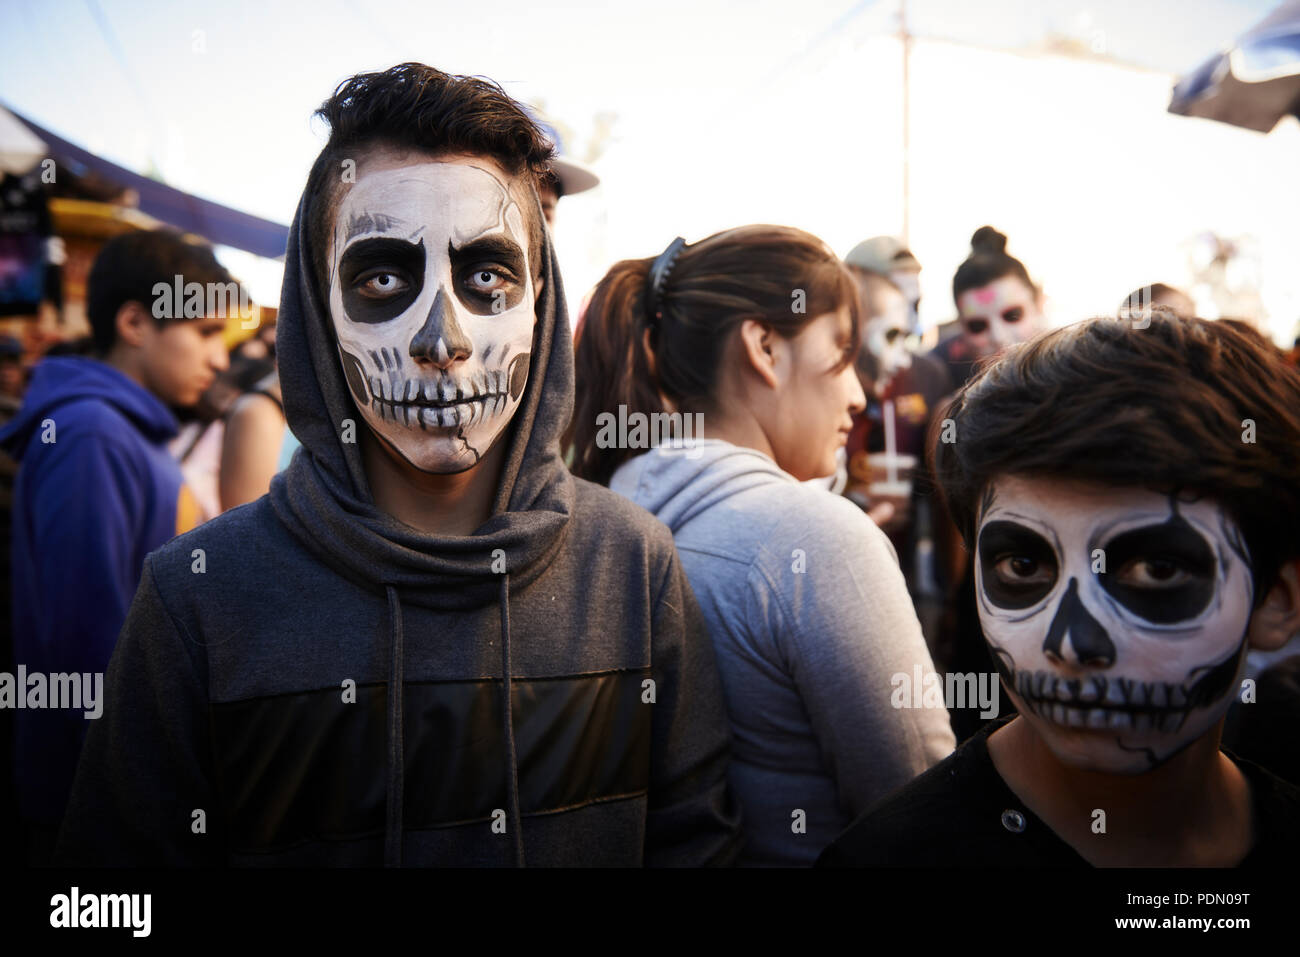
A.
pixel 97 490
pixel 428 644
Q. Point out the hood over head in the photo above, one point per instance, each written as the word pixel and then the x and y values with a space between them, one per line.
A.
pixel 324 499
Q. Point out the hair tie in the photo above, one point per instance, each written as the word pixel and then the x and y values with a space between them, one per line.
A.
pixel 658 276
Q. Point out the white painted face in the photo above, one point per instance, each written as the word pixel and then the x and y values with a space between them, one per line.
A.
pixel 999 315
pixel 909 282
pixel 1117 618
pixel 885 334
pixel 433 307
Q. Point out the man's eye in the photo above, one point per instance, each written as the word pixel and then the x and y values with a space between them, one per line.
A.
pixel 485 280
pixel 1153 573
pixel 1023 570
pixel 381 284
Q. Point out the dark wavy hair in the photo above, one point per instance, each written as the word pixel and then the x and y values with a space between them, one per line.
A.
pixel 1161 407
pixel 416 107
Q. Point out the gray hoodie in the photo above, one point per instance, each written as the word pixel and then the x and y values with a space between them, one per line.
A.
pixel 811 620
pixel 305 680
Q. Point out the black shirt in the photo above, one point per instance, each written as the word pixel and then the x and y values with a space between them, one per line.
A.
pixel 960 813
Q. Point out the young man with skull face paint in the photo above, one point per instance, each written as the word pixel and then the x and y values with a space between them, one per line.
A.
pixel 429 644
pixel 1133 496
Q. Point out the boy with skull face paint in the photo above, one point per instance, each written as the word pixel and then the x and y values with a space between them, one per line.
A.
pixel 429 644
pixel 1132 496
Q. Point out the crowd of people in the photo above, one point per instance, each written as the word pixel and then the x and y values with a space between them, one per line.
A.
pixel 378 587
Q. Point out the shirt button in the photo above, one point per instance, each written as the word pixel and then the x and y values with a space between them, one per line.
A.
pixel 1013 821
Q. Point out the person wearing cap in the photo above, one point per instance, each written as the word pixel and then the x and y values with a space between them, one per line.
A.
pixel 567 177
pixel 887 256
pixel 887 445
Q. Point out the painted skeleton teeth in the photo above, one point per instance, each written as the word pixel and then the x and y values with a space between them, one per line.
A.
pixel 1092 689
pixel 1099 703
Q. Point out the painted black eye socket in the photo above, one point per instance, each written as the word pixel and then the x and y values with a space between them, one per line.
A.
pixel 1013 315
pixel 380 278
pixel 1018 566
pixel 1162 573
pixel 892 335
pixel 976 326
pixel 381 284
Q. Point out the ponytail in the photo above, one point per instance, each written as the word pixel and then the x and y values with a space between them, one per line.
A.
pixel 612 368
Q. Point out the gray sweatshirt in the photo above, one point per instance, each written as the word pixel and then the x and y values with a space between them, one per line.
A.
pixel 811 619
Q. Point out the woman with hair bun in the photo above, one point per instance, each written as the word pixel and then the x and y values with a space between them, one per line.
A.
pixel 997 305
pixel 751 334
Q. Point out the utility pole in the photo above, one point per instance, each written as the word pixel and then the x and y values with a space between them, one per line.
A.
pixel 905 40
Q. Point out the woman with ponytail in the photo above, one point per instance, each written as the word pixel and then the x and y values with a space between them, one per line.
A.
pixel 751 334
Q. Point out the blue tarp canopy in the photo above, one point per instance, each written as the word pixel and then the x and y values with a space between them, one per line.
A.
pixel 214 222
pixel 1253 84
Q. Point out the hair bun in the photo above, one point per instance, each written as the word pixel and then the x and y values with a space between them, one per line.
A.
pixel 988 240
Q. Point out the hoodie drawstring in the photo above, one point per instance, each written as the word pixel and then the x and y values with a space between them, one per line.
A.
pixel 512 770
pixel 396 736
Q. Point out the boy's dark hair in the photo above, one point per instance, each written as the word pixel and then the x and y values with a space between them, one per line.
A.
pixel 1161 407
pixel 128 267
pixel 988 262
pixel 416 107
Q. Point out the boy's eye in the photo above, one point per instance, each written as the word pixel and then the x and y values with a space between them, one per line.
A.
pixel 1163 573
pixel 1019 567
pixel 1013 315
pixel 1153 573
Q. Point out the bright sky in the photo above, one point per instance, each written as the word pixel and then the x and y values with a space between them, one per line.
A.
pixel 723 111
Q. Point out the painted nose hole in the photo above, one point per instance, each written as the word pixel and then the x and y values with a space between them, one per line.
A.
pixel 1091 645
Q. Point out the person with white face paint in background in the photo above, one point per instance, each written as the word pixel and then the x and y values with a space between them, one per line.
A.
pixel 886 448
pixel 998 305
pixel 1132 543
pixel 429 644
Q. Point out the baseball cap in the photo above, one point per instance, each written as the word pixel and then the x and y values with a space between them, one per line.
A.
pixel 881 254
pixel 574 177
